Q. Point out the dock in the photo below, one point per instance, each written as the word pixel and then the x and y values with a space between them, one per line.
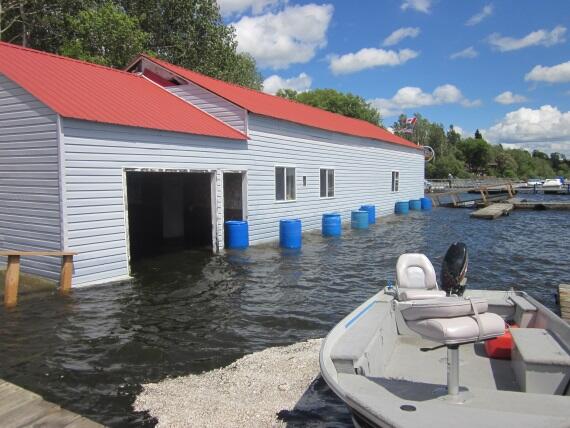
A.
pixel 493 211
pixel 22 408
pixel 564 301
pixel 523 204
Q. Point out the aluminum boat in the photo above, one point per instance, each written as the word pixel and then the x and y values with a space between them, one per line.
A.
pixel 420 355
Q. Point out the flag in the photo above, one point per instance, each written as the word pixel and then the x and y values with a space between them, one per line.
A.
pixel 411 121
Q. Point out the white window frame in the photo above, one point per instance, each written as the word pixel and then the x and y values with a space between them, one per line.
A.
pixel 285 168
pixel 395 181
pixel 327 196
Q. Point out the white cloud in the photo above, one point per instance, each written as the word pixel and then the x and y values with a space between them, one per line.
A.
pixel 418 5
pixel 469 52
pixel 478 17
pixel 400 34
pixel 508 97
pixel 413 97
pixel 231 7
pixel 536 38
pixel 555 74
pixel 369 58
pixel 280 39
pixel 300 83
pixel 546 128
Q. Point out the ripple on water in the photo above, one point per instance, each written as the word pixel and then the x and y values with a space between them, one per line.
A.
pixel 194 311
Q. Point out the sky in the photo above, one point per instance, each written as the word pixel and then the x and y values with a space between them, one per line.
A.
pixel 500 66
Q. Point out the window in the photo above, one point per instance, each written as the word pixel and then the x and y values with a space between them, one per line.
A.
pixel 284 183
pixel 327 183
pixel 395 181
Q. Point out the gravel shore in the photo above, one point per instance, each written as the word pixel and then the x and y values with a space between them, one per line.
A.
pixel 250 392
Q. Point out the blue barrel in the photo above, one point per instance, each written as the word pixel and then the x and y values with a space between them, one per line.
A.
pixel 237 234
pixel 416 204
pixel 359 219
pixel 426 204
pixel 402 207
pixel 290 233
pixel 332 224
pixel 371 209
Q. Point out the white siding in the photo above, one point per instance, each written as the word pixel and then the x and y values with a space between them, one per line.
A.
pixel 29 178
pixel 363 174
pixel 218 107
pixel 96 155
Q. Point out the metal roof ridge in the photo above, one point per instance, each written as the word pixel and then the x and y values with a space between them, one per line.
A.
pixel 63 57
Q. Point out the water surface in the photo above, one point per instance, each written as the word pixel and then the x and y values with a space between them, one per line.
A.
pixel 190 312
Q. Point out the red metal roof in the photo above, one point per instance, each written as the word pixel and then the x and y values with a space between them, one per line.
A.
pixel 281 108
pixel 81 90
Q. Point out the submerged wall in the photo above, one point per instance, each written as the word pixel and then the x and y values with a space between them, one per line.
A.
pixel 29 179
pixel 96 156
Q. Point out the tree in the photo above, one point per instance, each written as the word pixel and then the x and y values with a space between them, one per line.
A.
pixel 105 35
pixel 289 94
pixel 453 137
pixel 478 135
pixel 191 33
pixel 477 153
pixel 331 100
pixel 539 155
pixel 506 164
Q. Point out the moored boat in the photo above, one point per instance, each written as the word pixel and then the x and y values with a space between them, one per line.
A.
pixel 415 355
pixel 552 185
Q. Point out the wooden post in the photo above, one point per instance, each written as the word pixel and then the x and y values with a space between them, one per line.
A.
pixel 482 191
pixel 66 274
pixel 12 281
pixel 564 299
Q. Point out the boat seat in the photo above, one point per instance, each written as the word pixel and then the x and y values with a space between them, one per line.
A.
pixel 415 278
pixel 540 364
pixel 452 320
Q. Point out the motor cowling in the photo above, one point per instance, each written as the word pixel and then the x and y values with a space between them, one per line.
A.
pixel 454 269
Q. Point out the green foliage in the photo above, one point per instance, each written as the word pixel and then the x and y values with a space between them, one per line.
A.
pixel 346 104
pixel 475 156
pixel 290 94
pixel 189 33
pixel 104 35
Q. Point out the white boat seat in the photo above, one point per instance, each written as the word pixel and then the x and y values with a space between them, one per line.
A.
pixel 418 294
pixel 452 320
pixel 415 278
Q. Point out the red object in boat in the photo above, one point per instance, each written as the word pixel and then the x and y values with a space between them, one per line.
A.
pixel 500 347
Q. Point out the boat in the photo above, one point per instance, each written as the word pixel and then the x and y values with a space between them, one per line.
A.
pixel 552 185
pixel 532 182
pixel 419 355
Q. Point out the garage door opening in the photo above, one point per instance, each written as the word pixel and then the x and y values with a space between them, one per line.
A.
pixel 168 212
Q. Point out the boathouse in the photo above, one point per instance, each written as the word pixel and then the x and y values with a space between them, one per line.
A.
pixel 118 165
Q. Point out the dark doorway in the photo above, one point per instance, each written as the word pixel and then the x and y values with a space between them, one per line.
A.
pixel 233 195
pixel 168 211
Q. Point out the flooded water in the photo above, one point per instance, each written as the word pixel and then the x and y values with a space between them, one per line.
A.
pixel 192 311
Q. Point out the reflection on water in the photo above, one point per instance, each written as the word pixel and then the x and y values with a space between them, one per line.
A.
pixel 192 311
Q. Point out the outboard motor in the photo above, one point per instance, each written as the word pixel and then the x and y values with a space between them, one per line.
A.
pixel 454 269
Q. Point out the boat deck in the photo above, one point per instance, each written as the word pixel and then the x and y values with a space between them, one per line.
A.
pixel 476 370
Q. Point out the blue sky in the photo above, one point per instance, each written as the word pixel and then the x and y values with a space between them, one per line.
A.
pixel 500 66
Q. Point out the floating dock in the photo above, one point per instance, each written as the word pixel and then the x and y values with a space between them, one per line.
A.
pixel 22 408
pixel 564 301
pixel 539 205
pixel 493 211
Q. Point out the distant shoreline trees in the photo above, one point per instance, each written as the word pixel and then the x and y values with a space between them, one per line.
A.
pixel 466 157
